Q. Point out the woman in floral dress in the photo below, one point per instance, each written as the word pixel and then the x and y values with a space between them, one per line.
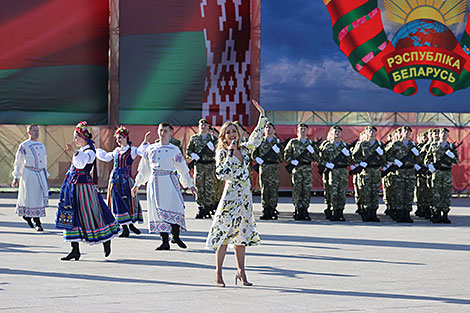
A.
pixel 234 222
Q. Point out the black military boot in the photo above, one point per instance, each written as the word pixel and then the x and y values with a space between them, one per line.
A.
pixel 37 221
pixel 407 217
pixel 306 216
pixel 387 210
pixel 336 216
pixel 165 242
pixel 200 213
pixel 427 212
pixel 364 213
pixel 393 214
pixel 125 231
pixel 296 214
pixel 328 213
pixel 29 221
pixel 419 211
pixel 445 218
pixel 341 216
pixel 175 236
pixel 74 254
pixel 373 216
pixel 266 215
pixel 207 212
pixel 437 218
pixel 359 209
pixel 274 213
pixel 399 218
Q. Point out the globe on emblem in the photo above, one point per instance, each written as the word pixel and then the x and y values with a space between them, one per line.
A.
pixel 424 32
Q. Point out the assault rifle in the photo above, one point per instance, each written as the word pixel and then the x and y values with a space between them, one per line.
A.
pixel 264 157
pixel 322 169
pixel 371 158
pixel 394 167
pixel 205 151
pixel 444 160
pixel 290 166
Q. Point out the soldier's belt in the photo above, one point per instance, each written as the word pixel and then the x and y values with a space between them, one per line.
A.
pixel 304 163
pixel 205 162
pixel 406 167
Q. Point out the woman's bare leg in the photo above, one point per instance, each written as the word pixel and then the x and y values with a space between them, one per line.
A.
pixel 220 256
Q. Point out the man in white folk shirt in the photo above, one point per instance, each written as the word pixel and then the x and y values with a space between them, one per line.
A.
pixel 30 175
pixel 165 203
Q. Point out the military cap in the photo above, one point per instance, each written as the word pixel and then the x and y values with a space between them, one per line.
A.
pixel 302 125
pixel 203 121
pixel 370 127
pixel 443 129
pixel 407 128
pixel 334 127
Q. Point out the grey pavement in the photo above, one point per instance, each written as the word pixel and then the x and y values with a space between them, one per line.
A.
pixel 316 266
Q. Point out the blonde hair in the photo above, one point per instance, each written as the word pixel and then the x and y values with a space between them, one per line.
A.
pixel 223 144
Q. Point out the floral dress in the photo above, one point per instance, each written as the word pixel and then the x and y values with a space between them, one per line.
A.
pixel 234 222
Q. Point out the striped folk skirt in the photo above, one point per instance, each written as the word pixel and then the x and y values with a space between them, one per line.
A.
pixel 126 209
pixel 94 223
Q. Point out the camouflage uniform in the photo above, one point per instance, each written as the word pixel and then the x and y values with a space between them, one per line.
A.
pixel 338 176
pixel 441 178
pixel 269 175
pixel 405 179
pixel 326 187
pixel 373 154
pixel 204 172
pixel 421 191
pixel 301 174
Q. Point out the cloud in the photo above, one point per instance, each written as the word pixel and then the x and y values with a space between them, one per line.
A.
pixel 329 73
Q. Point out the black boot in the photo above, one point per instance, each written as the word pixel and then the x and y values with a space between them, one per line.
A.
pixel 305 214
pixel 364 213
pixel 407 217
pixel 74 254
pixel 134 229
pixel 200 213
pixel 393 214
pixel 341 216
pixel 37 221
pixel 207 212
pixel 328 213
pixel 125 231
pixel 445 218
pixel 373 215
pixel 107 248
pixel 266 215
pixel 359 209
pixel 213 209
pixel 427 212
pixel 387 210
pixel 336 216
pixel 274 213
pixel 419 211
pixel 437 218
pixel 175 236
pixel 297 215
pixel 29 221
pixel 165 242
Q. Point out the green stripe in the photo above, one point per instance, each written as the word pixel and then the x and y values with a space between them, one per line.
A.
pixel 465 40
pixel 464 80
pixel 367 47
pixel 351 16
pixel 382 79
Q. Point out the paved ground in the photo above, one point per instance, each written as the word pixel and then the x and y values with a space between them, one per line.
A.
pixel 316 266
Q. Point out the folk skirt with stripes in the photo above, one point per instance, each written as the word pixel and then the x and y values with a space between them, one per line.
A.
pixel 94 223
pixel 126 209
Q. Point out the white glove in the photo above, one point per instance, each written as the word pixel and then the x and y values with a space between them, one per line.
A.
pixel 259 160
pixel 450 154
pixel 417 167
pixel 398 162
pixel 379 151
pixel 346 152
pixel 310 149
pixel 294 162
pixel 415 151
pixel 276 149
pixel 431 168
pixel 353 166
pixel 211 145
pixel 363 164
pixel 329 165
pixel 195 157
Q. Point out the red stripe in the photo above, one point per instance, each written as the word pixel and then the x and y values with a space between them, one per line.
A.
pixel 361 34
pixel 56 33
pixel 403 86
pixel 338 8
pixel 445 88
pixel 161 16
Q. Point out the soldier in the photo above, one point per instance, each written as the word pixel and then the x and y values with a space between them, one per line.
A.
pixel 421 185
pixel 335 156
pixel 369 153
pixel 324 176
pixel 404 154
pixel 201 149
pixel 429 204
pixel 355 170
pixel 269 155
pixel 440 158
pixel 300 152
pixel 386 185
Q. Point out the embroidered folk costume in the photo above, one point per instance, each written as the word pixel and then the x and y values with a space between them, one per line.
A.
pixel 92 220
pixel 30 170
pixel 126 209
pixel 158 168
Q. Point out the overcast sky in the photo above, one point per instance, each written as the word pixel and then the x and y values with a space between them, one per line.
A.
pixel 303 69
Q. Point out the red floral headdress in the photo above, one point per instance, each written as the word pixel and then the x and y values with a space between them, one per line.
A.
pixel 121 130
pixel 82 130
